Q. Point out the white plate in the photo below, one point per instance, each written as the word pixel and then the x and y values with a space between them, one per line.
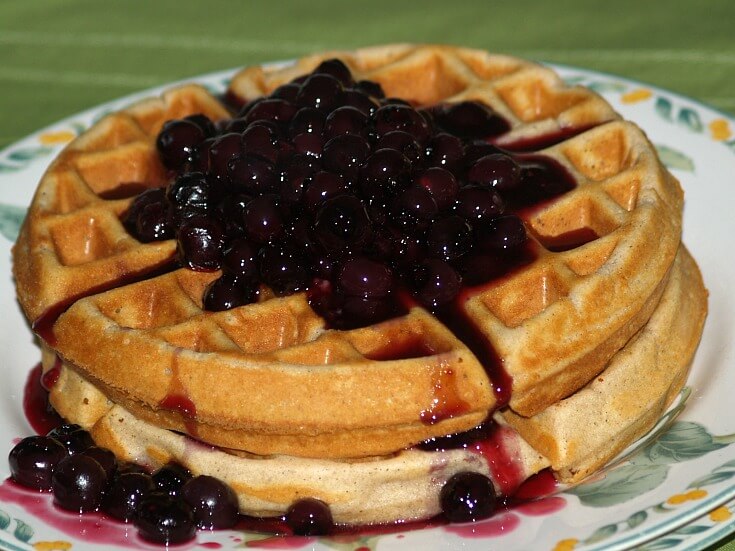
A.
pixel 677 493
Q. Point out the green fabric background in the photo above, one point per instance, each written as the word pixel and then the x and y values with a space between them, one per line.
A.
pixel 58 57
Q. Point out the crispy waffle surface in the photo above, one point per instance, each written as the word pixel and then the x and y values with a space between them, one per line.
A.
pixel 577 435
pixel 269 378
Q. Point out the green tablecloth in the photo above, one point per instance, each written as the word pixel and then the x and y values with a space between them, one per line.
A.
pixel 59 57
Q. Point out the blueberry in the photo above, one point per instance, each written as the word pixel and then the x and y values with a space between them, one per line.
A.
pixel 467 497
pixel 309 517
pixel 213 502
pixel 177 142
pixel 479 204
pixel 441 184
pixel 276 110
pixel 436 283
pixel 360 276
pixel 344 154
pixel 342 223
pixel 78 483
pixel 122 499
pixel 74 438
pixel 201 242
pixel 264 219
pixel 163 519
pixel 337 69
pixel 283 267
pixel 33 460
pixel 449 238
pixel 105 458
pixel 344 120
pixel 444 150
pixel 227 292
pixel 470 119
pixel 170 478
pixel 319 91
pixel 497 171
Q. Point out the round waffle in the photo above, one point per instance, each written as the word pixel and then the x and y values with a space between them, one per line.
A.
pixel 578 435
pixel 269 378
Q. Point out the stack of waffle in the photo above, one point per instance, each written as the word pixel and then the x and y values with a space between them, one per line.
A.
pixel 596 340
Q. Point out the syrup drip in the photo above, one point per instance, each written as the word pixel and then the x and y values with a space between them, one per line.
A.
pixel 43 326
pixel 485 440
pixel 446 403
pixel 51 377
pixel 176 398
pixel 506 473
pixel 456 319
pixel 38 411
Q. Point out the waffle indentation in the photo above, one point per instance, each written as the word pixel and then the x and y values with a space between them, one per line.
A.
pixel 106 170
pixel 531 293
pixel 271 325
pixel 199 334
pixel 571 224
pixel 604 154
pixel 157 302
pixel 71 192
pixel 86 237
pixel 534 99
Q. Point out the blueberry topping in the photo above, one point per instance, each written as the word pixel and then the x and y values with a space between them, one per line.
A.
pixel 325 177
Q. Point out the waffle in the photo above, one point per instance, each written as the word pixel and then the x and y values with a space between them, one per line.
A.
pixel 405 485
pixel 271 380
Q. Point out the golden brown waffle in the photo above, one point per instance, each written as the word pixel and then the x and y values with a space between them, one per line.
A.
pixel 72 241
pixel 586 430
pixel 579 434
pixel 267 378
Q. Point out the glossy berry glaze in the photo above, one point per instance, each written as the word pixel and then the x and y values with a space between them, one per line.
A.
pixel 328 187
